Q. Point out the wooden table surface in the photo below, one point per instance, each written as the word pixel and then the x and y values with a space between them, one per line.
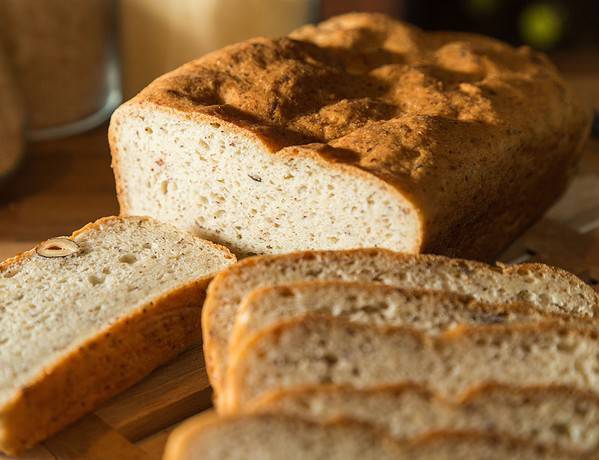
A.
pixel 68 183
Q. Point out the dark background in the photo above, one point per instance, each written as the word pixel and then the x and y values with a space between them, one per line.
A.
pixel 548 25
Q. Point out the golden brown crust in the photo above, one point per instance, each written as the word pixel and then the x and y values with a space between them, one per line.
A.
pixel 104 365
pixel 480 137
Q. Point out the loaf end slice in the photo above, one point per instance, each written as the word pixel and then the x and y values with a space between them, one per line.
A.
pixel 546 288
pixel 548 415
pixel 78 328
pixel 312 351
pixel 277 436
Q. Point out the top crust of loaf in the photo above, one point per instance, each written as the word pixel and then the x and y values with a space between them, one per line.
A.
pixel 383 100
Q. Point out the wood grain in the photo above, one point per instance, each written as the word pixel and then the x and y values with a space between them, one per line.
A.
pixel 61 186
pixel 154 445
pixel 170 394
pixel 92 439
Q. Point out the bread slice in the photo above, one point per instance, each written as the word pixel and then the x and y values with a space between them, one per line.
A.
pixel 374 303
pixel 548 415
pixel 362 131
pixel 546 288
pixel 84 317
pixel 277 436
pixel 309 351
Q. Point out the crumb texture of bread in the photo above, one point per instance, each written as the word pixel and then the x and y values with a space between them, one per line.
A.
pixel 276 436
pixel 312 351
pixel 375 303
pixel 545 288
pixel 78 328
pixel 358 132
pixel 548 415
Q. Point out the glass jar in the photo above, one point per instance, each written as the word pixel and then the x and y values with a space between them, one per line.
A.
pixel 158 35
pixel 62 54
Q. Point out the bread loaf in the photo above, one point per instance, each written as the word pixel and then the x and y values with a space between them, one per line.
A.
pixel 375 303
pixel 548 415
pixel 546 288
pixel 275 436
pixel 359 132
pixel 84 317
pixel 313 351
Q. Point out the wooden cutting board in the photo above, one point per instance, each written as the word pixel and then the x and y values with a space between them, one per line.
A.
pixel 65 184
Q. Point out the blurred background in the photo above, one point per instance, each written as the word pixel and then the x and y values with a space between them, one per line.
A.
pixel 65 65
pixel 74 59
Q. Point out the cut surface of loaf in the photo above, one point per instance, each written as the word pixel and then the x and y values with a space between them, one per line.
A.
pixel 276 436
pixel 77 328
pixel 546 288
pixel 432 312
pixel 548 415
pixel 317 350
pixel 280 132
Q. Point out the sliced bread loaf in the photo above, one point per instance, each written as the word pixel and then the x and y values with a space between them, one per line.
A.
pixel 83 317
pixel 546 288
pixel 432 312
pixel 548 415
pixel 277 436
pixel 362 131
pixel 309 351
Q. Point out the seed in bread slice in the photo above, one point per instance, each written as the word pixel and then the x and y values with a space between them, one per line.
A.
pixel 549 415
pixel 83 317
pixel 319 350
pixel 278 436
pixel 546 288
pixel 432 312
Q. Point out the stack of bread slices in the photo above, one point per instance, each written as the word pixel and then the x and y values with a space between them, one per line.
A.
pixel 369 353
